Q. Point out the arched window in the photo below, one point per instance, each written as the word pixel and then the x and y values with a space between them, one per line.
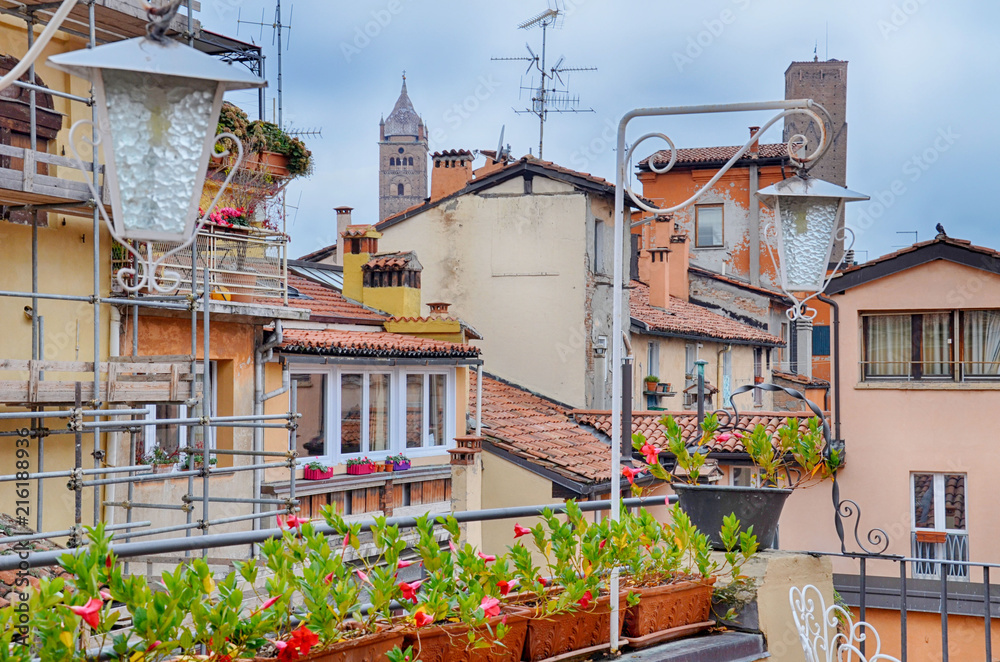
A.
pixel 399 189
pixel 392 161
pixel 410 161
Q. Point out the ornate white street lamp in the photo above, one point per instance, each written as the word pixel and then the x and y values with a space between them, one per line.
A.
pixel 158 104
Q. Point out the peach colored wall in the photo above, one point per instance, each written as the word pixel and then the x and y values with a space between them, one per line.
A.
pixel 966 640
pixel 892 430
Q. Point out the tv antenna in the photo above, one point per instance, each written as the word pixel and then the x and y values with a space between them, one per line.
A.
pixel 552 94
pixel 277 27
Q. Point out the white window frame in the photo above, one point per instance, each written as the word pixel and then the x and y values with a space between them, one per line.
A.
pixel 149 430
pixel 940 520
pixel 653 358
pixel 397 410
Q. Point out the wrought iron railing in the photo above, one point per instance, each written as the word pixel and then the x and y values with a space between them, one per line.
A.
pixel 244 264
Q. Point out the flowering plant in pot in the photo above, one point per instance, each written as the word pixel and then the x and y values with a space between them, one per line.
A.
pixel 159 459
pixel 567 600
pixel 798 458
pixel 399 462
pixel 317 471
pixel 456 612
pixel 360 466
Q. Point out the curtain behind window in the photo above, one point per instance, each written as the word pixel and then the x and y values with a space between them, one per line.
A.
pixel 378 412
pixel 887 346
pixel 936 350
pixel 981 352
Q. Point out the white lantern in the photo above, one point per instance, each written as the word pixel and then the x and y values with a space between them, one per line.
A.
pixel 158 105
pixel 809 212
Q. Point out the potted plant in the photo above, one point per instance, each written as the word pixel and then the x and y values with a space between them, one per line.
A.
pixel 360 466
pixel 651 381
pixel 160 460
pixel 664 387
pixel 317 471
pixel 398 462
pixel 797 459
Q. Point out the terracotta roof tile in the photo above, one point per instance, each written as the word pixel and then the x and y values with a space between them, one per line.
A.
pixel 371 344
pixel 327 302
pixel 395 261
pixel 697 155
pixel 540 431
pixel 648 423
pixel 689 319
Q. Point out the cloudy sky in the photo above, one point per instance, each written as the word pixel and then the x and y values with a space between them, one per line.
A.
pixel 922 81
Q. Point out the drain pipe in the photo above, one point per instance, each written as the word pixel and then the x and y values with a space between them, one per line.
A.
pixel 262 355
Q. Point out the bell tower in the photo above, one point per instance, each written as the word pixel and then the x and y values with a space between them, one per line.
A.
pixel 402 153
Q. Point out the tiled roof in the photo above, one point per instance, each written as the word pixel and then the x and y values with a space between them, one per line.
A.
pixel 396 261
pixel 648 423
pixel 540 431
pixel 963 243
pixel 691 320
pixel 320 253
pixel 801 379
pixel 327 302
pixel 697 155
pixel 379 344
pixel 452 152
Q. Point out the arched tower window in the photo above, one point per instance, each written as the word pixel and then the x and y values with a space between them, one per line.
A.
pixel 392 160
pixel 399 189
pixel 410 161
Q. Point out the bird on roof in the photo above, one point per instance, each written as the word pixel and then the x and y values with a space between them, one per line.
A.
pixel 940 229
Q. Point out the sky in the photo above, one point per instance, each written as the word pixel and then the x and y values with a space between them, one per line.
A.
pixel 922 84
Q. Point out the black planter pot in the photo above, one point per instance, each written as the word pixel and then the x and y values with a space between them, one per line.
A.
pixel 759 507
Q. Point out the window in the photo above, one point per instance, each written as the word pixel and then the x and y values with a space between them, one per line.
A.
pixel 400 150
pixel 409 161
pixel 653 358
pixel 758 376
pixel 727 376
pixel 377 412
pixel 821 340
pixel 399 189
pixel 598 247
pixel 690 356
pixel 172 437
pixel 708 226
pixel 392 160
pixel 939 527
pixel 908 346
pixel 981 343
pixel 744 476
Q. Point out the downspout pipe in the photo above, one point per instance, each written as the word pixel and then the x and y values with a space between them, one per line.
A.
pixel 836 363
pixel 262 355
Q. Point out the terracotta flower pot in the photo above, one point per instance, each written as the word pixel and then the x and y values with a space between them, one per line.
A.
pixel 559 634
pixel 447 643
pixel 669 611
pixel 273 162
pixel 369 648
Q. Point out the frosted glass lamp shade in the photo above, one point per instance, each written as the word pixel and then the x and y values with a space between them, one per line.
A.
pixel 158 106
pixel 809 213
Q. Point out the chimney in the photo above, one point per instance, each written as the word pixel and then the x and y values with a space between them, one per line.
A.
pixel 343 220
pixel 659 277
pixel 755 145
pixel 439 308
pixel 359 242
pixel 452 170
pixel 678 265
pixel 391 283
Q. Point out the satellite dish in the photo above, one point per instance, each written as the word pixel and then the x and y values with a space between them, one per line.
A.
pixel 499 156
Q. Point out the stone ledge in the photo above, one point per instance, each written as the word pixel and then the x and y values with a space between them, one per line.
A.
pixel 719 647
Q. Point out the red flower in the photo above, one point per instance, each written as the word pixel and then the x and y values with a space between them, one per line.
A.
pixel 422 619
pixel 153 645
pixel 292 522
pixel 268 603
pixel 631 473
pixel 299 643
pixel 90 612
pixel 404 564
pixel 738 434
pixel 489 558
pixel 410 590
pixel 491 606
pixel 347 540
pixel 107 562
pixel 601 546
pixel 651 452
pixel 584 602
pixel 504 587
pixel 543 581
pixel 520 531
pixel 724 437
pixel 328 578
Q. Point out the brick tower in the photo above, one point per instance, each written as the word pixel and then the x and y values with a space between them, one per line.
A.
pixel 402 154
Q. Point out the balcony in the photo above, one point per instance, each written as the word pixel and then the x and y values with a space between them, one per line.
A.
pixel 245 265
pixel 937 546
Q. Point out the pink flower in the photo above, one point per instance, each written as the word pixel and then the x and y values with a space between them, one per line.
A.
pixel 410 590
pixel 90 612
pixel 603 543
pixel 104 594
pixel 404 564
pixel 491 606
pixel 631 473
pixel 153 645
pixel 489 558
pixel 451 546
pixel 279 644
pixel 738 434
pixel 347 540
pixel 292 522
pixel 363 576
pixel 520 531
pixel 651 452
pixel 328 578
pixel 724 437
pixel 422 619
pixel 269 602
pixel 584 602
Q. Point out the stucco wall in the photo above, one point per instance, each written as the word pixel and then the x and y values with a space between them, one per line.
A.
pixel 498 476
pixel 515 267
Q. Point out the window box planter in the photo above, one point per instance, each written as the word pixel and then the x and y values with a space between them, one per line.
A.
pixel 316 474
pixel 447 643
pixel 368 648
pixel 579 632
pixel 759 507
pixel 162 468
pixel 401 466
pixel 360 469
pixel 668 612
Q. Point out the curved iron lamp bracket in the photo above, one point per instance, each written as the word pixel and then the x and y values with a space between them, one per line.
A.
pixel 843 508
pixel 144 272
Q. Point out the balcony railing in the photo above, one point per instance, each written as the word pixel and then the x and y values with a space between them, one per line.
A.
pixel 928 371
pixel 940 546
pixel 244 264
